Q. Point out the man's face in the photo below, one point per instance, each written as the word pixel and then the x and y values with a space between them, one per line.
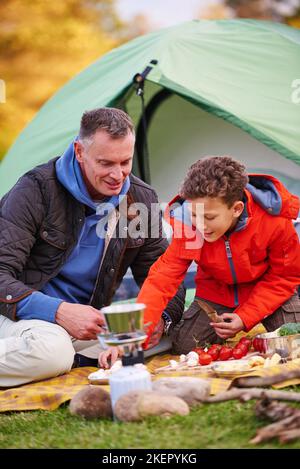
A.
pixel 105 163
pixel 213 218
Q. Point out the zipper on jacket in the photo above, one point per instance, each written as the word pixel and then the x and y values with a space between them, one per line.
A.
pixel 229 257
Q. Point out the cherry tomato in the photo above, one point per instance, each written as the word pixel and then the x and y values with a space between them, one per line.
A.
pixel 214 353
pixel 246 341
pixel 215 347
pixel 205 358
pixel 237 353
pixel 225 353
pixel 198 350
pixel 243 348
pixel 258 345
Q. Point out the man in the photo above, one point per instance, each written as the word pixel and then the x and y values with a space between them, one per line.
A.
pixel 65 245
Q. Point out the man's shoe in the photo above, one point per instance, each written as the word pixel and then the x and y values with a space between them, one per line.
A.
pixel 81 360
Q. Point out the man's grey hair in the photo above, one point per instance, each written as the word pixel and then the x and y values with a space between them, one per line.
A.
pixel 115 122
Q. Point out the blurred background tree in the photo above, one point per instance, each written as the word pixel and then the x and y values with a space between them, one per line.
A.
pixel 274 10
pixel 285 11
pixel 42 45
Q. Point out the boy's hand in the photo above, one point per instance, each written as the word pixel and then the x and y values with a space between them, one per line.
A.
pixel 157 333
pixel 228 329
pixel 112 354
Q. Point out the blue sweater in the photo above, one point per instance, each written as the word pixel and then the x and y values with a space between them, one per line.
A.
pixel 75 282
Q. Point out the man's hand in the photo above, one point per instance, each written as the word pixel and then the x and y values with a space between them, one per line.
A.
pixel 80 321
pixel 112 353
pixel 228 329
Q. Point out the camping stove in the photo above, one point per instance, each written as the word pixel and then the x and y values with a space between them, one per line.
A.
pixel 125 324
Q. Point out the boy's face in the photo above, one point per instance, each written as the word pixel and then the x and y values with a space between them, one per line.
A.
pixel 212 216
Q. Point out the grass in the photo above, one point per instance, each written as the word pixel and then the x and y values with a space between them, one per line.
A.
pixel 223 425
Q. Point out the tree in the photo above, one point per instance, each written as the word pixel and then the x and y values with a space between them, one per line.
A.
pixel 276 10
pixel 42 45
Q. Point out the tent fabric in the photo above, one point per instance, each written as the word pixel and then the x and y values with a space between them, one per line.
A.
pixel 241 71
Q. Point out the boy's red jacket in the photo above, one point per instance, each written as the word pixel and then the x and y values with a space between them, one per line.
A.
pixel 256 268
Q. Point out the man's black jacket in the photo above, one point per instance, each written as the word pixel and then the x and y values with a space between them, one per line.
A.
pixel 40 222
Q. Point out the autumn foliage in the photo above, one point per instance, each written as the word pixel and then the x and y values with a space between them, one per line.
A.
pixel 42 45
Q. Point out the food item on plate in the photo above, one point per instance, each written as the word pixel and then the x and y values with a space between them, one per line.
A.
pixel 257 360
pixel 256 344
pixel 182 358
pixel 205 358
pixel 225 353
pixel 173 364
pixel 99 376
pixel 243 348
pixel 214 351
pixel 289 329
pixel 192 355
pixel 197 350
pixel 192 359
pixel 102 375
pixel 237 353
pixel 231 367
pixel 244 344
pixel 246 340
pixel 272 361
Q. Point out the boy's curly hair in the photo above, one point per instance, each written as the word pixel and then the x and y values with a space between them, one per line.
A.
pixel 215 176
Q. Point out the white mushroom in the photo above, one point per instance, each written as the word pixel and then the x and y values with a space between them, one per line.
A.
pixel 173 364
pixel 193 362
pixel 192 356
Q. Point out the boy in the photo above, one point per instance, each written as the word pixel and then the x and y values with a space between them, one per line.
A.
pixel 240 233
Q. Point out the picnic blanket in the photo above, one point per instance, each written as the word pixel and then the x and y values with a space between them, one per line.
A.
pixel 47 394
pixel 51 393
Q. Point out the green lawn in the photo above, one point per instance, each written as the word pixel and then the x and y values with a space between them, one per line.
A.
pixel 224 425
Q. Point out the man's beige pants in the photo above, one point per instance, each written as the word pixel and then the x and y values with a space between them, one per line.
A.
pixel 32 350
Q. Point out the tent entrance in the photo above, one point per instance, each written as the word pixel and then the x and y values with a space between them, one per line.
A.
pixel 179 132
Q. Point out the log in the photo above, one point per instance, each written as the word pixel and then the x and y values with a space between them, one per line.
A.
pixel 286 418
pixel 274 410
pixel 289 435
pixel 253 393
pixel 257 381
pixel 275 429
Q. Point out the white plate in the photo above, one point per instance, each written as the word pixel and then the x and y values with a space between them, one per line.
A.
pixel 102 375
pixel 231 367
pixel 99 377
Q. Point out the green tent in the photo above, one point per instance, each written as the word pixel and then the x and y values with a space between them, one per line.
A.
pixel 208 87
